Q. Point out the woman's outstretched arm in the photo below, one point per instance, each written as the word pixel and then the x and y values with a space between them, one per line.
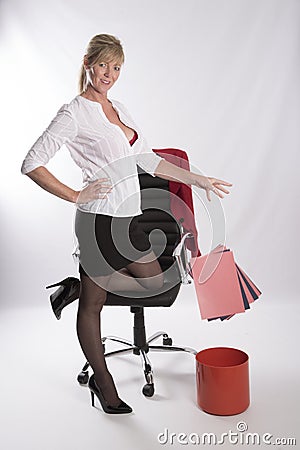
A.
pixel 171 172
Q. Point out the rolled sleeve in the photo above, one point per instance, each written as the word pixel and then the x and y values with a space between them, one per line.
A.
pixel 61 130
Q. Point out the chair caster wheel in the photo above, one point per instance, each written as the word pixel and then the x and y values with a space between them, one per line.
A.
pixel 167 341
pixel 148 390
pixel 83 378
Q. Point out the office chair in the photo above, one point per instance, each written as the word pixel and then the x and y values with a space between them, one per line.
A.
pixel 168 241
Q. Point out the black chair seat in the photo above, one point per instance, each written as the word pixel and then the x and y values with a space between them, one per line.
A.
pixel 127 298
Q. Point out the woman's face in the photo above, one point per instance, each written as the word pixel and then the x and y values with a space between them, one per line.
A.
pixel 102 76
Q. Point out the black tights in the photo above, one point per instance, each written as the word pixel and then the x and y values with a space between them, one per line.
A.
pixel 143 274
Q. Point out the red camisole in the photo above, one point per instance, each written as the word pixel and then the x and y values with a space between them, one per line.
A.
pixel 134 138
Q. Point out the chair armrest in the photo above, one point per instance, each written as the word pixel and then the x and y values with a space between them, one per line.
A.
pixel 180 254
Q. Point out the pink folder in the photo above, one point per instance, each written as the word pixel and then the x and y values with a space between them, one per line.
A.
pixel 217 284
pixel 214 279
pixel 250 289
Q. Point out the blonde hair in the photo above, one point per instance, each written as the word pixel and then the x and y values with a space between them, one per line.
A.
pixel 102 47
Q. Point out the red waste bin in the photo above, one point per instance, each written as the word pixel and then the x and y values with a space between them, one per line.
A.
pixel 222 378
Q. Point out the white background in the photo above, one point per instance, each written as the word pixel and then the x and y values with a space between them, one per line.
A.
pixel 218 79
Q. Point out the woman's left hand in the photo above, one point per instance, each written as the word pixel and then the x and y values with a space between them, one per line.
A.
pixel 210 184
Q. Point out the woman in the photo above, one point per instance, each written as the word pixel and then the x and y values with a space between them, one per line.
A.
pixel 107 145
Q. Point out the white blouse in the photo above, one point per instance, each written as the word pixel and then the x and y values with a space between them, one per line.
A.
pixel 101 149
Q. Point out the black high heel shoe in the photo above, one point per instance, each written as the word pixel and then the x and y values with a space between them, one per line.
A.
pixel 67 292
pixel 123 408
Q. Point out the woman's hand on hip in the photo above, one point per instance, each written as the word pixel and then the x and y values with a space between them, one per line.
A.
pixel 210 184
pixel 95 190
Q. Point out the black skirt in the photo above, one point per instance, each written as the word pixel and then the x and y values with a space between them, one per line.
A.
pixel 107 243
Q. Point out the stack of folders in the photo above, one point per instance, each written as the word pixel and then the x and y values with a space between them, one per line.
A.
pixel 223 289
